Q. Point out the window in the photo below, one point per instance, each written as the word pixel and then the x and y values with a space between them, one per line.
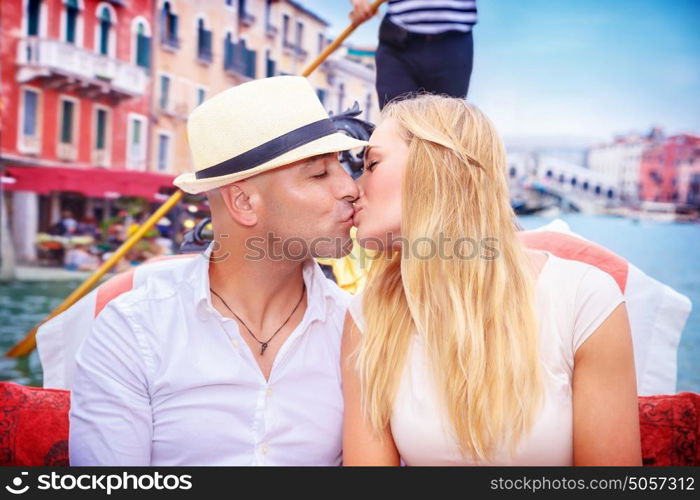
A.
pixel 33 17
pixel 238 58
pixel 285 30
pixel 368 107
pixel 341 97
pixel 28 140
pixel 321 96
pixel 169 27
pixel 243 15
pixel 201 95
pixel 136 133
pixel 204 52
pixel 72 13
pixel 142 43
pixel 270 65
pixel 321 42
pixel 31 109
pixel 268 13
pixel 300 36
pixel 105 20
pixel 67 121
pixel 250 60
pixel 164 92
pixel 163 152
pixel 67 128
pixel 101 131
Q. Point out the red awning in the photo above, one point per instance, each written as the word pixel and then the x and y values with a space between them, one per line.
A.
pixel 92 182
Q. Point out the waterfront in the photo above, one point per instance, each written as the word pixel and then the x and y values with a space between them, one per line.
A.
pixel 665 251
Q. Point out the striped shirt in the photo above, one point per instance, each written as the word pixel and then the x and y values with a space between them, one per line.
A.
pixel 431 17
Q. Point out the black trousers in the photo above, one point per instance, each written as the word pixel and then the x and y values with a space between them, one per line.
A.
pixel 408 62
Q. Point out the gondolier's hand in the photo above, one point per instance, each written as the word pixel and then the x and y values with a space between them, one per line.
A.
pixel 361 11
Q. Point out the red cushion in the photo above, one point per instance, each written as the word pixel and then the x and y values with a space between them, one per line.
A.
pixel 34 427
pixel 670 428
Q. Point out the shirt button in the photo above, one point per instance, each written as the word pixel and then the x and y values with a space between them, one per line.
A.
pixel 234 342
pixel 269 391
pixel 263 449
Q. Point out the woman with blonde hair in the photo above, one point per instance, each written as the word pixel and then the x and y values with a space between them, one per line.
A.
pixel 465 347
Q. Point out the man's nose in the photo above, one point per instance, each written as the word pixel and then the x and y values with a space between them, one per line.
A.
pixel 345 186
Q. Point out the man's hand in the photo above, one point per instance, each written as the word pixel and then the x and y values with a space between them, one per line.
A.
pixel 361 11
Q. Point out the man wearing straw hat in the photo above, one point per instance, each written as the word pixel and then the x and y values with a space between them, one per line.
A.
pixel 232 357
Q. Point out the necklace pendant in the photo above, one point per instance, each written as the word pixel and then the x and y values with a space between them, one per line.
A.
pixel 263 346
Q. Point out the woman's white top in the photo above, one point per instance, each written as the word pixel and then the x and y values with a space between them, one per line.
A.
pixel 573 299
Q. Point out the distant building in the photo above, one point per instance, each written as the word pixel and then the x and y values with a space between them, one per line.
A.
pixel 198 53
pixel 621 160
pixel 689 180
pixel 350 80
pixel 661 166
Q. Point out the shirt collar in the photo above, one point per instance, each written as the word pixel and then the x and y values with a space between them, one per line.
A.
pixel 317 287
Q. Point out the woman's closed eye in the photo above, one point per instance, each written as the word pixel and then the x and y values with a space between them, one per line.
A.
pixel 370 166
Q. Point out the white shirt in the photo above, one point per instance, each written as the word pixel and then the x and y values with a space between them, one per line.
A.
pixel 573 299
pixel 164 379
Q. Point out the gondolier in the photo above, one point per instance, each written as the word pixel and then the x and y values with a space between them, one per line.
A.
pixel 424 45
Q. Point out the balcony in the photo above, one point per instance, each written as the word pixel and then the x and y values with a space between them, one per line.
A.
pixel 271 31
pixel 301 54
pixel 171 43
pixel 246 19
pixel 100 158
pixel 205 56
pixel 69 67
pixel 288 47
pixel 67 151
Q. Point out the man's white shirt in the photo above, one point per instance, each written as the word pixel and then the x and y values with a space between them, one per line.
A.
pixel 164 379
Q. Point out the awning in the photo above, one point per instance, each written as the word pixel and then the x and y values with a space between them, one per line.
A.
pixel 93 182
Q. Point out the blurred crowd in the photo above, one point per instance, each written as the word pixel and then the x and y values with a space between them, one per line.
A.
pixel 84 244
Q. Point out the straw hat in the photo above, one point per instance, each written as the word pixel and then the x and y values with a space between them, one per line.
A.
pixel 256 127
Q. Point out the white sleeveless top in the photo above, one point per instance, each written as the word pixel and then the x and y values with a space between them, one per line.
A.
pixel 572 300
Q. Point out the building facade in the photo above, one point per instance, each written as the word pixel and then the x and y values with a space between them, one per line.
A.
pixel 204 47
pixel 76 85
pixel 621 160
pixel 95 94
pixel 661 165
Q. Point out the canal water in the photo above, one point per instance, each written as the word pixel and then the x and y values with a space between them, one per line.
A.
pixel 669 252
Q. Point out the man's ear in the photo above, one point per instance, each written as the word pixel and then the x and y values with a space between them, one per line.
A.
pixel 238 200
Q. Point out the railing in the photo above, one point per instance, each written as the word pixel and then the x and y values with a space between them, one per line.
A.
pixel 171 42
pixel 39 56
pixel 271 31
pixel 247 19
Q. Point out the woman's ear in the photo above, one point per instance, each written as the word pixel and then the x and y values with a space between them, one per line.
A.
pixel 237 200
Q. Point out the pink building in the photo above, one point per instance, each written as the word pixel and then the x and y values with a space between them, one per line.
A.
pixel 75 110
pixel 659 170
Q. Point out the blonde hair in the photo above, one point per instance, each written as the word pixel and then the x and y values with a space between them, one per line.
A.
pixel 476 315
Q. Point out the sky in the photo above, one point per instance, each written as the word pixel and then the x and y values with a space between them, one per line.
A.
pixel 594 69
